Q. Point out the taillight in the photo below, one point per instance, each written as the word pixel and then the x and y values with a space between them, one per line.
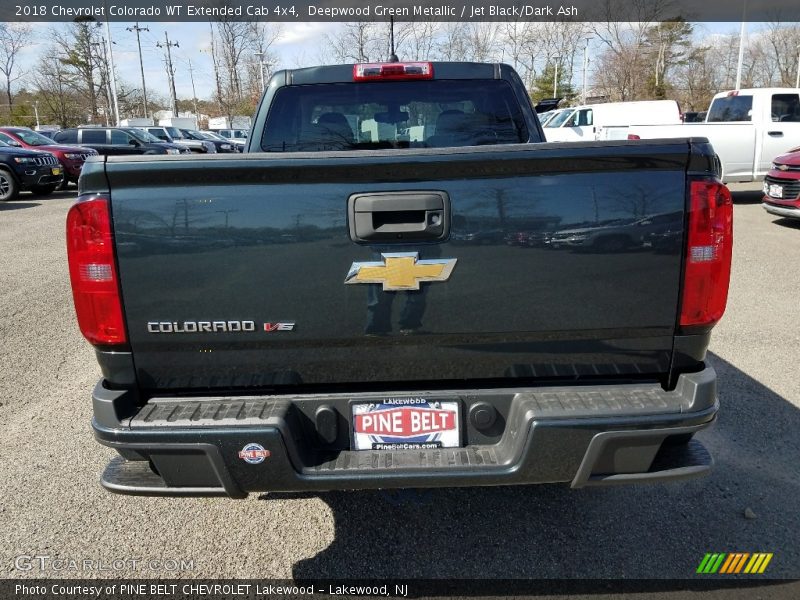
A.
pixel 93 273
pixel 392 71
pixel 633 136
pixel 708 253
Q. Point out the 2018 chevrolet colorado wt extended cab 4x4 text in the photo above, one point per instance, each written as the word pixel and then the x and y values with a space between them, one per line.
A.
pixel 299 317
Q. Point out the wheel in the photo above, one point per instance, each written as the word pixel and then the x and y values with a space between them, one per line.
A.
pixel 43 190
pixel 9 189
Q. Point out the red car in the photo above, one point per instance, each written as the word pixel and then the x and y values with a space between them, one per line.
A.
pixel 782 186
pixel 70 157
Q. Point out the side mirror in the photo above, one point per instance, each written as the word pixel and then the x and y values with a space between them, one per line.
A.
pixel 14 143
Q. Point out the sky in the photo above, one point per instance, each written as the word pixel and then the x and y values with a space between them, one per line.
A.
pixel 300 45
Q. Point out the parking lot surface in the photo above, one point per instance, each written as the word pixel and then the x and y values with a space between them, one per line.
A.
pixel 51 502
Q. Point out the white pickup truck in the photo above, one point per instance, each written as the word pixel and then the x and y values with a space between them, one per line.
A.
pixel 747 128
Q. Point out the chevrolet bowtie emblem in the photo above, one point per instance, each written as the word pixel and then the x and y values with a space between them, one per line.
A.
pixel 401 271
pixel 783 167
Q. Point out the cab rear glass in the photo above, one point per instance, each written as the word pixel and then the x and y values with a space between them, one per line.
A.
pixel 731 108
pixel 403 114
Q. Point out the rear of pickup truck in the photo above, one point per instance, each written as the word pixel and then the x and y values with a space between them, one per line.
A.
pixel 313 319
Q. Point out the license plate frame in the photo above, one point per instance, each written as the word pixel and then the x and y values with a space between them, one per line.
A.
pixel 55 171
pixel 405 423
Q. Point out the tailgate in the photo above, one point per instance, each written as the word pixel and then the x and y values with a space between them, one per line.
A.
pixel 563 261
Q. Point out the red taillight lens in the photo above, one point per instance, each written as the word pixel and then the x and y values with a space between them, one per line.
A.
pixel 708 254
pixel 95 287
pixel 392 71
pixel 633 136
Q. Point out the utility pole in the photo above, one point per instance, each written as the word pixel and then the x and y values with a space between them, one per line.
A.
pixel 194 93
pixel 585 68
pixel 110 54
pixel 137 29
pixel 170 72
pixel 106 76
pixel 216 68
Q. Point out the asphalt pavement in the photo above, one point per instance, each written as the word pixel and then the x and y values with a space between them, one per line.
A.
pixel 52 504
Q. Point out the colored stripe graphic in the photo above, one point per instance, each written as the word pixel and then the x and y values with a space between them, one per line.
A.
pixel 704 563
pixel 741 562
pixel 734 563
pixel 732 558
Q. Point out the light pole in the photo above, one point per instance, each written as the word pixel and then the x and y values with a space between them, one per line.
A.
pixel 36 111
pixel 260 56
pixel 797 79
pixel 741 46
pixel 555 77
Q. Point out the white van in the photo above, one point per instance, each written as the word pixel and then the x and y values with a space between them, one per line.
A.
pixel 610 121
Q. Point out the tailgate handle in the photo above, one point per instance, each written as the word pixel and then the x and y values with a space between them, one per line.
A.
pixel 399 217
pixel 775 133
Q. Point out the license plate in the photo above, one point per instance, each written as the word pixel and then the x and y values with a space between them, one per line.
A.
pixel 406 424
pixel 56 171
pixel 776 191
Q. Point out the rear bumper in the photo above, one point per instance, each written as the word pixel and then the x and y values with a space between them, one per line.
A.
pixel 587 435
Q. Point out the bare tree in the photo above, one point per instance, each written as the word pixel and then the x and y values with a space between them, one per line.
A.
pixel 358 41
pixel 13 38
pixel 784 42
pixel 55 85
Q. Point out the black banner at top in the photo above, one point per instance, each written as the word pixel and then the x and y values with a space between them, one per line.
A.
pixel 785 11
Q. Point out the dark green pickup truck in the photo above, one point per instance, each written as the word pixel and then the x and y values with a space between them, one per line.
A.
pixel 370 296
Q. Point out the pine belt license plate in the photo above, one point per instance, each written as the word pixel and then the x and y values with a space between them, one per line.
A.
pixel 776 191
pixel 406 424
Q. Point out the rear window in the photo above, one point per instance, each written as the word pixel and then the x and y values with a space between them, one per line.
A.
pixel 731 108
pixel 369 116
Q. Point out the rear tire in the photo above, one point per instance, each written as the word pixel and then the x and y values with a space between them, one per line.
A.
pixel 44 190
pixel 9 188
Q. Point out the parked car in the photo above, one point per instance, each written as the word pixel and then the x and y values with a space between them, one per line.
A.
pixel 173 135
pixel 236 135
pixel 70 157
pixel 747 128
pixel 221 145
pixel 27 170
pixel 118 140
pixel 782 186
pixel 213 135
